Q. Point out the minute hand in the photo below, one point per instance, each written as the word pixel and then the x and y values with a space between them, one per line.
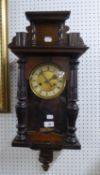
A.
pixel 46 80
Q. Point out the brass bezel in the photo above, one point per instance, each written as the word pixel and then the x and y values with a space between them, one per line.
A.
pixel 4 100
pixel 53 96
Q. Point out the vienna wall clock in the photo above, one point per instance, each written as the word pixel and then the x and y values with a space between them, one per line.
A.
pixel 47 84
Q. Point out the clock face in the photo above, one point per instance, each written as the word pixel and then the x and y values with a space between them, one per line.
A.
pixel 47 81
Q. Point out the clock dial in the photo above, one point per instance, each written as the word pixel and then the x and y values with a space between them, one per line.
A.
pixel 47 81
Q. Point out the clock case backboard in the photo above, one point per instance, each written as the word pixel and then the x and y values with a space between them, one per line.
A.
pixel 47 42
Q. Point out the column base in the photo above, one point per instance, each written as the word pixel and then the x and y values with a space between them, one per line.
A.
pixel 17 142
pixel 72 140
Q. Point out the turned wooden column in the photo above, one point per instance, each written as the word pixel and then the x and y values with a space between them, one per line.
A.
pixel 21 107
pixel 72 107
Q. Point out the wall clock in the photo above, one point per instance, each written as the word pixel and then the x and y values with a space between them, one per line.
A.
pixel 47 84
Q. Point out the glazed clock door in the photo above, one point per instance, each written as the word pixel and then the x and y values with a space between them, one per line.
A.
pixel 47 83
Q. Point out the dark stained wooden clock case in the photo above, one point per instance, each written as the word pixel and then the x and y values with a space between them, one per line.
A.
pixel 63 49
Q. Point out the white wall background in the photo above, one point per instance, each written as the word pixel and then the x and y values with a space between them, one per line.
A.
pixel 85 18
